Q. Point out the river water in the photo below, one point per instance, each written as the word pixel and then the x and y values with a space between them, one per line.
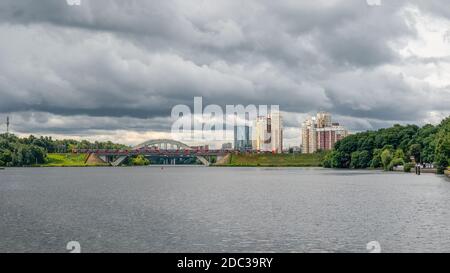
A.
pixel 200 209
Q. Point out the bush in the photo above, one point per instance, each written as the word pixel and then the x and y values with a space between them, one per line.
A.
pixel 408 167
pixel 326 163
pixel 441 163
pixel 140 160
pixel 396 162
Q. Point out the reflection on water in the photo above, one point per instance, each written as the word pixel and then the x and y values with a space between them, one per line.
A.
pixel 197 209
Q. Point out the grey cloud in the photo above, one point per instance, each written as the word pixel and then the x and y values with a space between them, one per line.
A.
pixel 137 59
pixel 45 123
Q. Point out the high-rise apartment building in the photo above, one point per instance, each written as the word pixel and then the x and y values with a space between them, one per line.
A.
pixel 277 132
pixel 323 120
pixel 242 139
pixel 319 133
pixel 269 133
pixel 309 139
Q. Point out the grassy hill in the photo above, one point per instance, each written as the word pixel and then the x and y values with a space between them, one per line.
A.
pixel 67 160
pixel 276 160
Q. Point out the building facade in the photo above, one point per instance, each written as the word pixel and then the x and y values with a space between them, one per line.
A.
pixel 319 133
pixel 269 133
pixel 277 132
pixel 242 139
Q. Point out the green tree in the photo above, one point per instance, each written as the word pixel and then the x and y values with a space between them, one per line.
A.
pixel 360 159
pixel 5 157
pixel 399 154
pixel 442 152
pixel 364 159
pixel 415 150
pixel 386 158
pixel 376 159
pixel 340 160
pixel 441 163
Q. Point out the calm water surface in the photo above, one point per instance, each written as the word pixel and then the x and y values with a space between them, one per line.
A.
pixel 198 209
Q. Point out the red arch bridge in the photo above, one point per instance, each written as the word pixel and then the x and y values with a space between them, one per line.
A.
pixel 168 149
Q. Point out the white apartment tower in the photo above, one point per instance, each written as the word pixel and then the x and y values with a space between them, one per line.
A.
pixel 268 135
pixel 277 132
pixel 309 141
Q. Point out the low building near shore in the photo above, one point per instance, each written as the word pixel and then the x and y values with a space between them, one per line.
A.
pixel 227 146
pixel 400 168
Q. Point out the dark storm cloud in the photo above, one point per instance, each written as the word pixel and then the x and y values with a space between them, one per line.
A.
pixel 81 124
pixel 120 60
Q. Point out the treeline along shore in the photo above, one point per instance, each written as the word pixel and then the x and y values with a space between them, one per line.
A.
pixel 396 146
pixel 45 151
pixel 386 148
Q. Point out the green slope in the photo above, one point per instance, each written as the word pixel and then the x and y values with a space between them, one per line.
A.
pixel 276 160
pixel 66 160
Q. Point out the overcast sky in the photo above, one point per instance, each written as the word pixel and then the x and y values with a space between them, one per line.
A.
pixel 113 69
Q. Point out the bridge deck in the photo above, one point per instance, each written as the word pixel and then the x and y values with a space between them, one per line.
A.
pixel 153 152
pixel 161 152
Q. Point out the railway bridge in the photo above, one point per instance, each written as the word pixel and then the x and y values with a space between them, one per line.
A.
pixel 164 148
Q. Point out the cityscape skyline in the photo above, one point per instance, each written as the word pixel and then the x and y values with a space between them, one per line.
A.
pixel 265 133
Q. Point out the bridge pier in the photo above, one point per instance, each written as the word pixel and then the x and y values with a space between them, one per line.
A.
pixel 119 160
pixel 203 160
pixel 104 158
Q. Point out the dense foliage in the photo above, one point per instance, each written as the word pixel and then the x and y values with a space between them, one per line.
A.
pixel 139 160
pixel 393 146
pixel 15 151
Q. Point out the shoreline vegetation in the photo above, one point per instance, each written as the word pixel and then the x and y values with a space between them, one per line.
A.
pixel 393 147
pixel 234 160
pixel 56 160
pixel 69 160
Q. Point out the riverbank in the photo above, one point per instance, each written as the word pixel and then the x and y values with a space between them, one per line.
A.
pixel 273 160
pixel 231 160
pixel 69 160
